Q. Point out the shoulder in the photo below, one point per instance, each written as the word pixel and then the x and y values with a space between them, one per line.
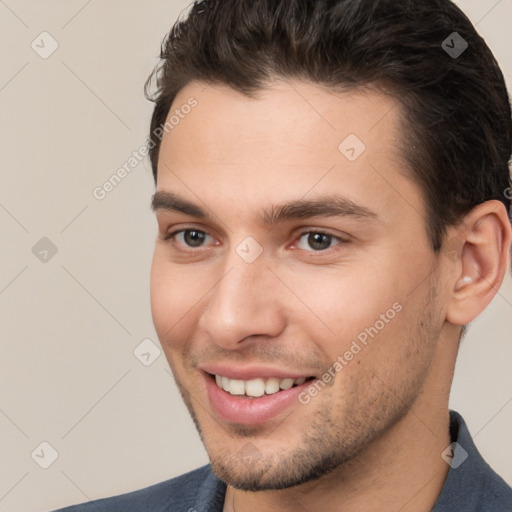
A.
pixel 198 489
pixel 471 484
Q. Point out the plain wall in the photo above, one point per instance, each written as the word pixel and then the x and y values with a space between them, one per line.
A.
pixel 69 326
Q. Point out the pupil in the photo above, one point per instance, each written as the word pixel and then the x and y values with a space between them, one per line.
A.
pixel 319 241
pixel 194 238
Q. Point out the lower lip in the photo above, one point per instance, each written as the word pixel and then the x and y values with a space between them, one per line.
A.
pixel 251 411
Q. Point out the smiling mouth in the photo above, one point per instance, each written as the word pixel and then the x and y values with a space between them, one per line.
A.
pixel 255 388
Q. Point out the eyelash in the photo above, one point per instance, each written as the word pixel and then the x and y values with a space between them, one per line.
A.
pixel 315 232
pixel 170 236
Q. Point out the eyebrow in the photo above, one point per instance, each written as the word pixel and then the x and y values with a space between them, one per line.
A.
pixel 325 206
pixel 167 201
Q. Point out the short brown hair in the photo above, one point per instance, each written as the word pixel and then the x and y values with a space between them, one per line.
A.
pixel 457 120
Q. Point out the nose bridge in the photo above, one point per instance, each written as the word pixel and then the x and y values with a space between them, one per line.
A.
pixel 241 303
pixel 240 292
pixel 242 274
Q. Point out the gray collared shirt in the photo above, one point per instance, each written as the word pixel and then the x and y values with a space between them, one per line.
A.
pixel 471 486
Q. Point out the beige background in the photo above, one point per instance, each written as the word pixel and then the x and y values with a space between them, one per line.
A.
pixel 69 326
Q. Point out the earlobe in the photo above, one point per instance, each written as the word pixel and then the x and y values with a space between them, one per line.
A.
pixel 482 263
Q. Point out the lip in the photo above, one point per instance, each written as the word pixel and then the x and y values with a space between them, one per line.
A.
pixel 251 372
pixel 251 411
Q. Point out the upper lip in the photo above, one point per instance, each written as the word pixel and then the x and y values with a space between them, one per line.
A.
pixel 251 372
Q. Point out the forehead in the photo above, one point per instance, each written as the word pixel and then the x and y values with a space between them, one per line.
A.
pixel 307 116
pixel 289 141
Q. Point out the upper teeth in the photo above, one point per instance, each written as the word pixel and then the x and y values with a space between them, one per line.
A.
pixel 256 387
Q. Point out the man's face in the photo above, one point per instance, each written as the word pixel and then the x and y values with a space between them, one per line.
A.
pixel 295 248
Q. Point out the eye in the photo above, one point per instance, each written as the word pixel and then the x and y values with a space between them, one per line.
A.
pixel 317 241
pixel 189 237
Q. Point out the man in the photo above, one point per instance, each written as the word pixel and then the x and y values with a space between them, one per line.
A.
pixel 332 198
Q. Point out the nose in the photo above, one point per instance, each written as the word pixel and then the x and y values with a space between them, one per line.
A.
pixel 243 305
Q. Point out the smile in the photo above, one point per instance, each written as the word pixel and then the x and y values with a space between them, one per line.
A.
pixel 256 387
pixel 253 400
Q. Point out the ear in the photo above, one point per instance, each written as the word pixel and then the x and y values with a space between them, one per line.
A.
pixel 480 259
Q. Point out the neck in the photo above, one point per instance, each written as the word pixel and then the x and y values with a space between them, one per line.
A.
pixel 402 470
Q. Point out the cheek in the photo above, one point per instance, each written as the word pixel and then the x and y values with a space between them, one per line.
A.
pixel 345 303
pixel 174 296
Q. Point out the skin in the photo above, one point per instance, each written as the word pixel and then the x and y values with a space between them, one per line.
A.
pixel 373 438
